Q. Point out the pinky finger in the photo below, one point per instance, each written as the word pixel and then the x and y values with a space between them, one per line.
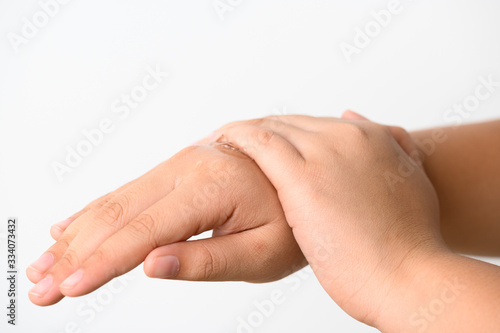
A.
pixel 58 229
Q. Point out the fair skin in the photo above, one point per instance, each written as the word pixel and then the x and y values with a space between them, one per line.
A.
pixel 374 245
pixel 210 187
pixel 387 265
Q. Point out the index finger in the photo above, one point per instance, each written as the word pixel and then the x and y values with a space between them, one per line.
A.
pixel 277 157
pixel 177 217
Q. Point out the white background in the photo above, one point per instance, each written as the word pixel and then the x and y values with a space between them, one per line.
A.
pixel 265 57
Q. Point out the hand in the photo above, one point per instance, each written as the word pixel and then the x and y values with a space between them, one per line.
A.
pixel 361 209
pixel 151 218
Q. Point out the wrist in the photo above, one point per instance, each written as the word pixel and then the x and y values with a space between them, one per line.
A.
pixel 420 291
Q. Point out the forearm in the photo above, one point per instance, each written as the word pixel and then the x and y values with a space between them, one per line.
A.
pixel 444 293
pixel 463 163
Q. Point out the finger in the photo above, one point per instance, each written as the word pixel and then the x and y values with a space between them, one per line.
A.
pixel 177 217
pixel 404 140
pixel 278 158
pixel 262 254
pixel 281 124
pixel 72 227
pixel 58 229
pixel 399 134
pixel 351 115
pixel 91 229
pixel 303 122
pixel 278 124
pixel 37 270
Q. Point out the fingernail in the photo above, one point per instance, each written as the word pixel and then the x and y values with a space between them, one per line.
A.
pixel 165 267
pixel 72 280
pixel 42 286
pixel 43 263
pixel 55 229
pixel 63 224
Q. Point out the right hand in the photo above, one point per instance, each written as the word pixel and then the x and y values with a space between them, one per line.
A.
pixel 204 187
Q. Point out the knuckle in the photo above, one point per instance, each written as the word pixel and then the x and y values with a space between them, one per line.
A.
pixel 70 258
pixel 182 154
pixel 276 123
pixel 352 135
pixel 212 265
pixel 145 226
pixel 96 205
pixel 399 129
pixel 273 117
pixel 104 255
pixel 355 131
pixel 264 137
pixel 256 121
pixel 218 166
pixel 221 172
pixel 63 243
pixel 100 255
pixel 100 203
pixel 113 211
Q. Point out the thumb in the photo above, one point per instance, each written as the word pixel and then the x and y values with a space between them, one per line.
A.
pixel 256 255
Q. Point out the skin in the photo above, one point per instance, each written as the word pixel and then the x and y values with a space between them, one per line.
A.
pixel 462 163
pixel 370 230
pixel 383 259
pixel 209 187
pixel 467 190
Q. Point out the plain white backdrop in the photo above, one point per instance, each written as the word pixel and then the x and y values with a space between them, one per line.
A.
pixel 65 66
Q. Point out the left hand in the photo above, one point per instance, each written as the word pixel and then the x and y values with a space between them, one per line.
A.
pixel 360 205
